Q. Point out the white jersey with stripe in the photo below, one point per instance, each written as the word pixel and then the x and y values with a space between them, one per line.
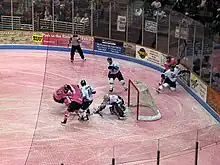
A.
pixel 172 75
pixel 87 92
pixel 115 68
pixel 75 41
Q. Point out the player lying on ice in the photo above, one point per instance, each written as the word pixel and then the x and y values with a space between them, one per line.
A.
pixel 170 77
pixel 60 94
pixel 116 105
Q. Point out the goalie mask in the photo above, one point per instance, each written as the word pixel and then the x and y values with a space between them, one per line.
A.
pixel 106 97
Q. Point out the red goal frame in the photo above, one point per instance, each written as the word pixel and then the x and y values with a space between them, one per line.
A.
pixel 132 84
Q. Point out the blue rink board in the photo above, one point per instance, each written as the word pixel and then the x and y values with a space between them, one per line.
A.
pixel 122 57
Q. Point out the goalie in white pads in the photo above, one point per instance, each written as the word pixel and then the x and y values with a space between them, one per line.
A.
pixel 116 103
pixel 169 78
pixel 114 72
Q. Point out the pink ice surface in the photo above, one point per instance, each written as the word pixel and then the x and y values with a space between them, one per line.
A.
pixel 28 80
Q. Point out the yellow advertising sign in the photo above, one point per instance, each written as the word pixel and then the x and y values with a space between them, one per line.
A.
pixel 19 37
pixel 199 87
pixel 37 38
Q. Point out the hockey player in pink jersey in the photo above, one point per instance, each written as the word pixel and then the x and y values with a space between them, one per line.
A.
pixel 73 102
pixel 169 62
pixel 60 94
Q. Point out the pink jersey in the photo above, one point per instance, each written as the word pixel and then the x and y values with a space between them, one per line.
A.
pixel 60 93
pixel 76 97
pixel 167 64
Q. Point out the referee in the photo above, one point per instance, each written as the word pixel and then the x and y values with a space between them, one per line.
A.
pixel 75 41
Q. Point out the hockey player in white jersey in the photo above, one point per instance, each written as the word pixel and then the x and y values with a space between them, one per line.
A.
pixel 170 77
pixel 116 105
pixel 87 93
pixel 114 72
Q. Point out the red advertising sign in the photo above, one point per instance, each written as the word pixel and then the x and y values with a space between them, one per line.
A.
pixel 61 39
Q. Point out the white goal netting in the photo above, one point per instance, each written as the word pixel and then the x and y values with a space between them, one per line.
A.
pixel 147 109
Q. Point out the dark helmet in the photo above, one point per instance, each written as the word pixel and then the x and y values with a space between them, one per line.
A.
pixel 109 59
pixel 83 82
pixel 172 66
pixel 168 57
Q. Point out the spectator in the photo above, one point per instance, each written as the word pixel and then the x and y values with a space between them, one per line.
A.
pixel 27 16
pixel 20 10
pixel 77 18
pixel 202 4
pixel 85 19
pixel 68 14
pixel 156 4
pixel 57 8
pixel 47 15
pixel 2 11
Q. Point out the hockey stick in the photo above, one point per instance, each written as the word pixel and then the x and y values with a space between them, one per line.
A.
pixel 99 114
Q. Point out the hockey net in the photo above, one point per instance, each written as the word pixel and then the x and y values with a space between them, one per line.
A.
pixel 141 102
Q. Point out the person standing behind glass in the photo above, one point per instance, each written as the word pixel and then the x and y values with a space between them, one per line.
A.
pixel 75 42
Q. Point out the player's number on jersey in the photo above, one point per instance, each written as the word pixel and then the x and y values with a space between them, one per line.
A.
pixel 89 89
pixel 173 75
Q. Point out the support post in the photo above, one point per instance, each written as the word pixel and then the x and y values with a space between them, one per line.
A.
pixel 12 17
pixel 196 153
pixel 53 15
pixel 91 18
pixel 32 11
pixel 110 21
pixel 142 27
pixel 73 12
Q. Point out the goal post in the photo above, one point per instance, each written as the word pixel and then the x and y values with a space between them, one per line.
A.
pixel 139 96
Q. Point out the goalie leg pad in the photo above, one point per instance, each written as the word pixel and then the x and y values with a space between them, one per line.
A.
pixel 123 84
pixel 111 83
pixel 119 111
pixel 160 87
pixel 165 85
pixel 83 115
pixel 172 88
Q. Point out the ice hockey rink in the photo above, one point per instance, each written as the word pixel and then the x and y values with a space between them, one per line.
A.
pixel 28 80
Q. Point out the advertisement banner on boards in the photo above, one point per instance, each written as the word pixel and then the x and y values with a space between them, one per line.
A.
pixel 107 45
pixel 199 87
pixel 21 37
pixel 130 49
pixel 149 55
pixel 61 39
pixel 185 78
pixel 213 99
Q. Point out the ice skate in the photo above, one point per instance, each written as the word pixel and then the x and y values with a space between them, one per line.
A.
pixel 158 90
pixel 64 121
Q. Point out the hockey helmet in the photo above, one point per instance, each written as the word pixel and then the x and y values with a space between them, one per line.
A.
pixel 109 59
pixel 83 82
pixel 105 97
pixel 172 66
pixel 66 86
pixel 168 57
